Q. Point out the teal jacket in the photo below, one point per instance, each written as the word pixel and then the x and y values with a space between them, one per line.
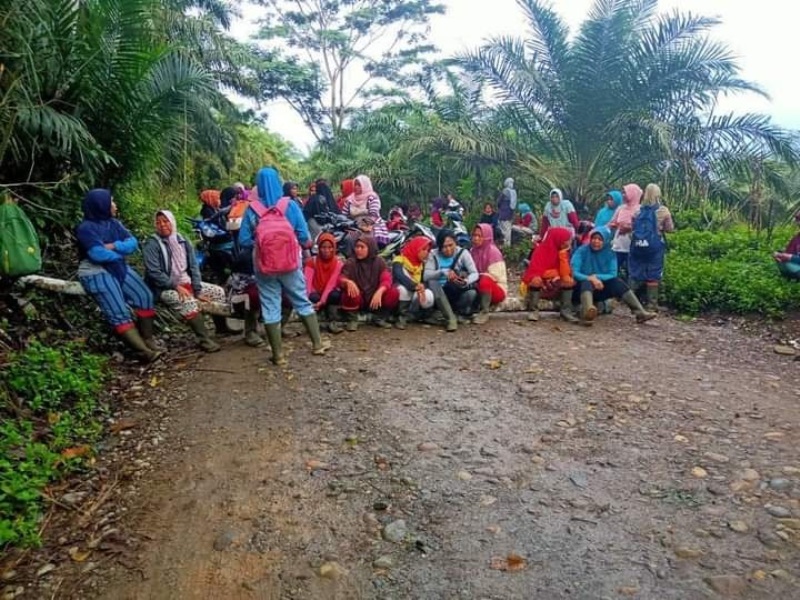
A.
pixel 601 263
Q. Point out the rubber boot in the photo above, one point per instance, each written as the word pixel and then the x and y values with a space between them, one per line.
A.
pixel 318 345
pixel 588 309
pixel 443 304
pixel 652 296
pixel 533 304
pixel 333 320
pixel 251 337
pixel 636 307
pixel 381 319
pixel 566 307
pixel 198 326
pixel 145 326
pixel 221 325
pixel 402 314
pixel 134 341
pixel 276 343
pixel 483 315
pixel 351 318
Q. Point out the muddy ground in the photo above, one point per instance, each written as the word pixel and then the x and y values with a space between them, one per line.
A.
pixel 509 461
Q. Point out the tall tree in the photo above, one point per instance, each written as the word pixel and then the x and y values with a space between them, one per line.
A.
pixel 358 47
pixel 620 98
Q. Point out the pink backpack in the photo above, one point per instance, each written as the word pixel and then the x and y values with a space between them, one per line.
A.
pixel 277 250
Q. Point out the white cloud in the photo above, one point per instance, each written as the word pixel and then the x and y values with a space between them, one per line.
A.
pixel 760 34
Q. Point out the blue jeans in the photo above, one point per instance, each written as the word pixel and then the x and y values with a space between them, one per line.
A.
pixel 114 298
pixel 293 285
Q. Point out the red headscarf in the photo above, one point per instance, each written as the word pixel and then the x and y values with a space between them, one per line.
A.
pixel 347 190
pixel 412 249
pixel 324 270
pixel 545 256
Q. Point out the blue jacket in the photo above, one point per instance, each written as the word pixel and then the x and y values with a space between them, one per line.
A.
pixel 605 214
pixel 601 263
pixel 269 192
pixel 99 228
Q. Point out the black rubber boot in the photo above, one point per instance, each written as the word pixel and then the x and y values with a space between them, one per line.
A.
pixel 276 343
pixel 483 315
pixel 318 345
pixel 566 311
pixel 145 326
pixel 251 337
pixel 333 320
pixel 636 307
pixel 402 314
pixel 533 305
pixel 134 341
pixel 588 309
pixel 198 325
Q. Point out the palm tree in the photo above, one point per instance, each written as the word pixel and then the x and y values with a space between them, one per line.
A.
pixel 622 98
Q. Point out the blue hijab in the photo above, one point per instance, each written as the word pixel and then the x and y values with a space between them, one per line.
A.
pixel 98 228
pixel 605 214
pixel 602 263
pixel 269 185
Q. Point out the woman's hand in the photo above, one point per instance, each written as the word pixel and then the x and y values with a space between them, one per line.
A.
pixel 596 283
pixel 110 246
pixel 782 257
pixel 351 288
pixel 623 229
pixel 377 300
pixel 452 276
pixel 183 294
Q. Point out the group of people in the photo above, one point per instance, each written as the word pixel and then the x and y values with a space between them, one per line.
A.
pixel 436 281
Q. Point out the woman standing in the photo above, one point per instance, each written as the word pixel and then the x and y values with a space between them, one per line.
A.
pixel 366 202
pixel 622 223
pixel 558 212
pixel 103 244
pixel 612 202
pixel 171 271
pixel 291 283
pixel 493 278
pixel 646 258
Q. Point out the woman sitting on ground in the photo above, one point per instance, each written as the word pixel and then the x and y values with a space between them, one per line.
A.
pixel 103 244
pixel 407 270
pixel 549 271
pixel 171 271
pixel 322 274
pixel 594 267
pixel 367 285
pixel 789 260
pixel 525 224
pixel 451 275
pixel 492 283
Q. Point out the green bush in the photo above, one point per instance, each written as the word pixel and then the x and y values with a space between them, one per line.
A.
pixel 51 408
pixel 730 270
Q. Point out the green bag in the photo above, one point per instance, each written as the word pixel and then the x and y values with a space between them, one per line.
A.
pixel 20 253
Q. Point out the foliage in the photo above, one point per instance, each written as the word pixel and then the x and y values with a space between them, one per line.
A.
pixel 51 409
pixel 730 270
pixel 353 49
pixel 630 97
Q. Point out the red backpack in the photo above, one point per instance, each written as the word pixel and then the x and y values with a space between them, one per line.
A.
pixel 277 250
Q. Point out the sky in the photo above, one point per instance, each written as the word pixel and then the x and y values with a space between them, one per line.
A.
pixel 760 34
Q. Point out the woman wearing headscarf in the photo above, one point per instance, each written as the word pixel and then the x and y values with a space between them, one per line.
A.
pixel 292 284
pixel 789 260
pixel 407 270
pixel 365 201
pixel 451 275
pixel 171 271
pixel 594 267
pixel 103 245
pixel 549 270
pixel 211 200
pixel 367 285
pixel 622 224
pixel 321 203
pixel 558 212
pixel 492 283
pixel 646 258
pixel 322 274
pixel 612 202
pixel 347 187
pixel 506 205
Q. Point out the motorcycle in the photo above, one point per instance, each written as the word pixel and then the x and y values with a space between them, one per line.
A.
pixel 454 221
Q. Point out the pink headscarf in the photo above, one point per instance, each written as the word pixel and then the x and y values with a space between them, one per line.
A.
pixel 359 201
pixel 487 253
pixel 632 198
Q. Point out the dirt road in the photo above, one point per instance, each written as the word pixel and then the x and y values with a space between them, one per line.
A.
pixel 510 461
